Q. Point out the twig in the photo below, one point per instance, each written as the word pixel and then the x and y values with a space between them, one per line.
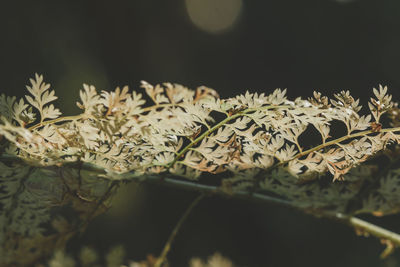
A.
pixel 375 230
pixel 367 228
pixel 171 238
pixel 336 141
pixel 60 119
pixel 216 127
pixel 204 135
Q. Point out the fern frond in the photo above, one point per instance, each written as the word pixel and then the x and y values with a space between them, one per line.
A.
pixel 254 143
pixel 41 97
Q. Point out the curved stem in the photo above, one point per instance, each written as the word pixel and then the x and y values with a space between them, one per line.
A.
pixel 336 141
pixel 60 119
pixel 216 127
pixel 375 230
pixel 391 239
pixel 171 238
pixel 77 117
pixel 201 137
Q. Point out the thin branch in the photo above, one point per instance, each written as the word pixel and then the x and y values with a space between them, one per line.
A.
pixel 336 141
pixel 216 127
pixel 375 230
pixel 60 119
pixel 215 190
pixel 171 238
pixel 201 137
pixel 77 117
pixel 391 239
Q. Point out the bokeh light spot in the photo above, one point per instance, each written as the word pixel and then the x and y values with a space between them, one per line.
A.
pixel 213 16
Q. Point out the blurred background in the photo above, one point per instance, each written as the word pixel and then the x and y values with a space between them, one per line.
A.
pixel 231 46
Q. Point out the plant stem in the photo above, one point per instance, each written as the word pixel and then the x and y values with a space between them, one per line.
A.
pixel 216 127
pixel 171 238
pixel 77 117
pixel 201 137
pixel 60 119
pixel 391 239
pixel 375 230
pixel 215 190
pixel 336 141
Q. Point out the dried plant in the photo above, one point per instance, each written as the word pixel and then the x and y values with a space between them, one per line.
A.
pixel 250 144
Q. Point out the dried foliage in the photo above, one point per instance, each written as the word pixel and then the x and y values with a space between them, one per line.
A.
pixel 252 141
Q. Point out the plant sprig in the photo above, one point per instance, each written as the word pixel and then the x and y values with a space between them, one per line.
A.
pixel 255 146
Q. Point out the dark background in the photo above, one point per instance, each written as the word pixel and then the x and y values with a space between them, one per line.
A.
pixel 306 45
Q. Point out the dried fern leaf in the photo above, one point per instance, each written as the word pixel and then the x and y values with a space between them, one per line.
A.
pixel 54 163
